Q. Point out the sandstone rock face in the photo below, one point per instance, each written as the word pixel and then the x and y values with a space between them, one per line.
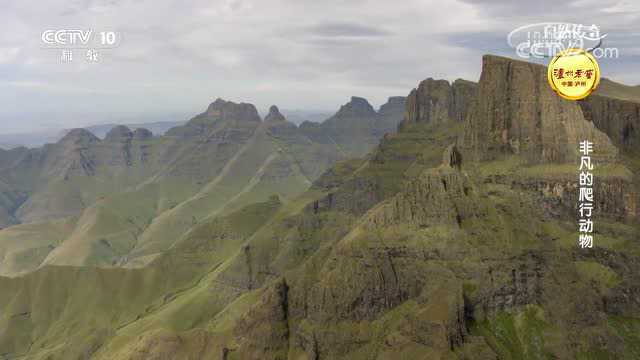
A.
pixel 517 112
pixel 438 101
pixel 431 102
pixel 620 119
pixel 464 93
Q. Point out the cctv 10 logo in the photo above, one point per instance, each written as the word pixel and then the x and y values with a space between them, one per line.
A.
pixel 75 38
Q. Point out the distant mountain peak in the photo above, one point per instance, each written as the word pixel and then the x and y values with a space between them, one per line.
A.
pixel 218 104
pixel 119 133
pixel 79 135
pixel 396 100
pixel 142 134
pixel 358 106
pixel 228 110
pixel 274 116
pixel 393 103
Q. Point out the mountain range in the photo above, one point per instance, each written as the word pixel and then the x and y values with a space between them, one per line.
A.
pixel 233 237
pixel 127 197
pixel 42 137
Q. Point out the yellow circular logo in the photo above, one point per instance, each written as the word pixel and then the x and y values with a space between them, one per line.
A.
pixel 573 74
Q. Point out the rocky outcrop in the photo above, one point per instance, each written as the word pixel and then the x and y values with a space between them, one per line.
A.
pixel 279 127
pixel 516 112
pixel 452 157
pixel 446 191
pixel 437 101
pixel 274 116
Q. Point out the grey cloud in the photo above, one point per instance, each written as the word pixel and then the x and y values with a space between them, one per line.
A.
pixel 494 42
pixel 344 29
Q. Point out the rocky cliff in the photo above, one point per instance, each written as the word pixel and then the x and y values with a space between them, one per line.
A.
pixel 516 112
pixel 620 119
pixel 439 101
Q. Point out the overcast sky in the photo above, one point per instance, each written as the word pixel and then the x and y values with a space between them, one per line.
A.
pixel 178 56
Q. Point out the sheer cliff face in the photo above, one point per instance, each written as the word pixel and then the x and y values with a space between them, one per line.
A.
pixel 618 118
pixel 438 101
pixel 464 93
pixel 517 112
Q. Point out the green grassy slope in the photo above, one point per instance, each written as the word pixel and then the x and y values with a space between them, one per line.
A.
pixel 42 317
